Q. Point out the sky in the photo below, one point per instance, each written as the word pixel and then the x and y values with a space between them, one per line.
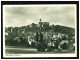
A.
pixel 16 16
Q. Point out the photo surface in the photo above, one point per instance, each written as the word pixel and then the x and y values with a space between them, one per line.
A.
pixel 43 30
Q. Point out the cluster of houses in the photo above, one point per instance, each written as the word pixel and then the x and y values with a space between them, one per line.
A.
pixel 49 37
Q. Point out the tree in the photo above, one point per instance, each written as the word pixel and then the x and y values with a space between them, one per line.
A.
pixel 37 36
pixel 64 46
pixel 41 37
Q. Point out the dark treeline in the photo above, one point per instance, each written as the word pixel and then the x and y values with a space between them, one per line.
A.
pixel 56 28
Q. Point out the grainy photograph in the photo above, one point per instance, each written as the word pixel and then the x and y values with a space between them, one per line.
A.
pixel 39 30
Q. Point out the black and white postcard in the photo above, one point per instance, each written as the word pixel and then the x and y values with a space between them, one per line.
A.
pixel 39 30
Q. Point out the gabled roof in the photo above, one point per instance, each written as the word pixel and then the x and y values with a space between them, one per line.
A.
pixel 63 41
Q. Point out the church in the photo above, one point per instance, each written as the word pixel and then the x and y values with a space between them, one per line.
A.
pixel 43 24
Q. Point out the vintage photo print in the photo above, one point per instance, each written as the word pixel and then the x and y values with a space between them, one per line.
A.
pixel 39 30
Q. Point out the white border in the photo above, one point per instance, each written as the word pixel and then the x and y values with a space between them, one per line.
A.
pixel 38 55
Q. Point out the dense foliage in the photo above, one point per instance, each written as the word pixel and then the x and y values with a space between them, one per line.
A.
pixel 18 36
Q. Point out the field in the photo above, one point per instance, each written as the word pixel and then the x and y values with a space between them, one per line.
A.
pixel 19 50
pixel 25 50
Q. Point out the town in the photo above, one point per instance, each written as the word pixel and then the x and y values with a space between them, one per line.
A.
pixel 42 36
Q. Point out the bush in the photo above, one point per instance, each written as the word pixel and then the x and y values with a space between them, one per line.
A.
pixel 41 47
pixel 64 46
pixel 50 48
pixel 33 45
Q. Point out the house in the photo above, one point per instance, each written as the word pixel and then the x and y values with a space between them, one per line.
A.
pixel 33 25
pixel 62 42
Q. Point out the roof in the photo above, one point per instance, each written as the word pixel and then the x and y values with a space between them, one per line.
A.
pixel 45 23
pixel 63 41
